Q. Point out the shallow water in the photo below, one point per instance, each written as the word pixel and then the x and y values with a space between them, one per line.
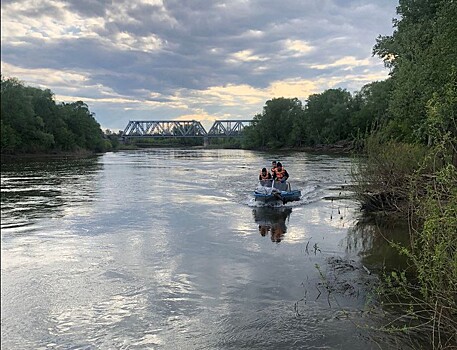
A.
pixel 166 249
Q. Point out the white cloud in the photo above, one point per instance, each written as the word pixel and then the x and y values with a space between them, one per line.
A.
pixel 245 56
pixel 347 61
pixel 298 47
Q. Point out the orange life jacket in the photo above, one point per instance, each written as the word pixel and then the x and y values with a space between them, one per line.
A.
pixel 280 174
pixel 265 177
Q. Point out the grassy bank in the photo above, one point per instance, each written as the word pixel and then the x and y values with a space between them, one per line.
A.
pixel 418 184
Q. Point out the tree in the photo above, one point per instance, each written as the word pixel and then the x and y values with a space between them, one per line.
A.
pixel 273 128
pixel 421 53
pixel 31 122
pixel 83 125
pixel 370 106
pixel 328 116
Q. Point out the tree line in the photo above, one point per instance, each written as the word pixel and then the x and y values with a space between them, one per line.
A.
pixel 32 122
pixel 326 118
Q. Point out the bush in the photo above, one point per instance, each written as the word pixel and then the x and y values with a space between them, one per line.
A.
pixel 383 173
pixel 428 293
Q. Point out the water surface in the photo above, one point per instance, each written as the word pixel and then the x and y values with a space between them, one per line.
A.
pixel 166 249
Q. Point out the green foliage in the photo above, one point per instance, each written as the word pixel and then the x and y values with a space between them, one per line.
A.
pixel 328 116
pixel 370 105
pixel 31 122
pixel 421 182
pixel 441 122
pixel 383 175
pixel 435 245
pixel 273 128
pixel 227 143
pixel 112 139
pixel 427 294
pixel 426 180
pixel 421 53
pixel 164 142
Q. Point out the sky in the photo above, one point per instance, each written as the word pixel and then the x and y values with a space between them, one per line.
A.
pixel 191 60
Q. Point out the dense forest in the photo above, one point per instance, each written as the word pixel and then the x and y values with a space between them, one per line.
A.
pixel 327 118
pixel 32 122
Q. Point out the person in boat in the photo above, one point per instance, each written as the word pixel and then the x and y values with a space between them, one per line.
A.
pixel 280 175
pixel 265 177
pixel 273 167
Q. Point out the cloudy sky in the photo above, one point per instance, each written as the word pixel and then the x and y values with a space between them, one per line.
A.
pixel 191 59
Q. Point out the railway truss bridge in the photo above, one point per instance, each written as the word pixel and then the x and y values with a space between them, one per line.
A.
pixel 141 129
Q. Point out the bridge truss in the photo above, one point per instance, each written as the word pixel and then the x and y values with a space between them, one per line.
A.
pixel 228 128
pixel 182 129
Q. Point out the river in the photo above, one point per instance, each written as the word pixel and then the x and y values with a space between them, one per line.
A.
pixel 166 249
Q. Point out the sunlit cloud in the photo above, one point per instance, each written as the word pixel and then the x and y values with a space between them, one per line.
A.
pixel 44 77
pixel 348 62
pixel 46 21
pixel 298 47
pixel 245 56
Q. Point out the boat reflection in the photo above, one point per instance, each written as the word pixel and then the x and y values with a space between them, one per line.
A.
pixel 272 221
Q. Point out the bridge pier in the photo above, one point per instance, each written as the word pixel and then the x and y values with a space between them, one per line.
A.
pixel 205 141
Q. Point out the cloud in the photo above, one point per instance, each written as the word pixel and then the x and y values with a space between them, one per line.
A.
pixel 349 62
pixel 210 58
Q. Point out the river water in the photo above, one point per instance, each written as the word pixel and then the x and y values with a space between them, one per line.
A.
pixel 166 249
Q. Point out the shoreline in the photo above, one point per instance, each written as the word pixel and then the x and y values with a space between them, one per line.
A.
pixel 339 148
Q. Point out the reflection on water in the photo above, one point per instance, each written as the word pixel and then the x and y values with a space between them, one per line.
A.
pixel 272 221
pixel 43 189
pixel 373 243
pixel 158 249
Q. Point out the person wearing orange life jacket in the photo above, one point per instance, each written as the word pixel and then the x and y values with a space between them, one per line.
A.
pixel 264 175
pixel 280 173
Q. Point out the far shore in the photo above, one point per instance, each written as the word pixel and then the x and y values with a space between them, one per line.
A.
pixel 340 148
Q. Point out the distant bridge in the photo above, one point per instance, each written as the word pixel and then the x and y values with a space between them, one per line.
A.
pixel 181 129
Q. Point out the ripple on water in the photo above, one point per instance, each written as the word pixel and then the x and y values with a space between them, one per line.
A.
pixel 162 249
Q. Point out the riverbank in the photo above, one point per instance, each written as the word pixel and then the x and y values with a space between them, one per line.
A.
pixel 342 147
pixel 416 183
